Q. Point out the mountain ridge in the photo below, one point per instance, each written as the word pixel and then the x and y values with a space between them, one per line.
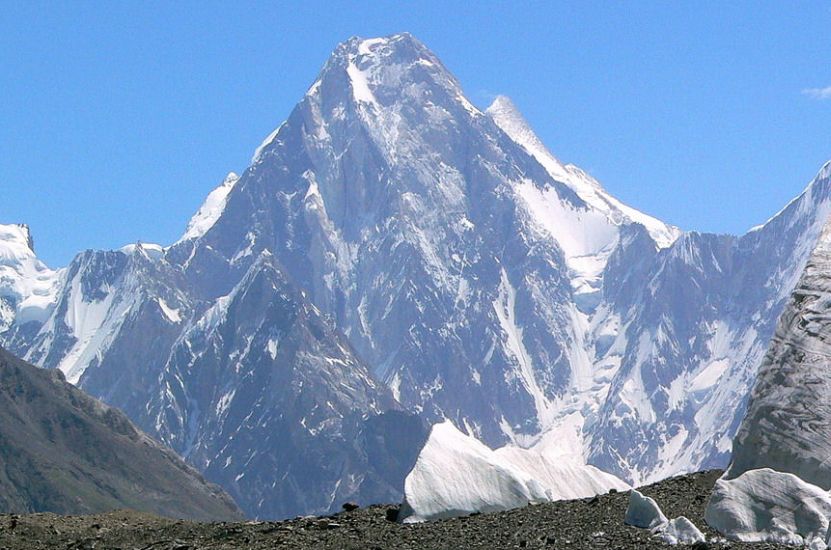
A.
pixel 67 453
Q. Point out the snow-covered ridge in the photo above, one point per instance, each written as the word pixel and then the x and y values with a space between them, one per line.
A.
pixel 28 288
pixel 214 204
pixel 506 115
pixel 150 250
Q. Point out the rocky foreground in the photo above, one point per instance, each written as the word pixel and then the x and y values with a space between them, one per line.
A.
pixel 578 524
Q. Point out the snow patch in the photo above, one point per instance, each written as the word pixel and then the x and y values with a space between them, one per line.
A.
pixel 360 85
pixel 29 287
pixel 170 313
pixel 505 114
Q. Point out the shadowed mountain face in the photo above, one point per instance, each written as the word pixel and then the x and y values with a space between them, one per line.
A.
pixel 65 452
pixel 393 248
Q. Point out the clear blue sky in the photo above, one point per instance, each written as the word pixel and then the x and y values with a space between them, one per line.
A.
pixel 117 118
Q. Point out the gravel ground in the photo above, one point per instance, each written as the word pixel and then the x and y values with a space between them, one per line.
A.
pixel 594 523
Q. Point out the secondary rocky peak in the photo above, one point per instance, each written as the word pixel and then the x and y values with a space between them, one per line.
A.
pixel 211 209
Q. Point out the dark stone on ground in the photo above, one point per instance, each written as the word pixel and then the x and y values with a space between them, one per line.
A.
pixel 567 525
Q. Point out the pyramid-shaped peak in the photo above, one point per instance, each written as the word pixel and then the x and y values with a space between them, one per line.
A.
pixel 395 43
pixel 386 71
pixel 503 104
pixel 507 116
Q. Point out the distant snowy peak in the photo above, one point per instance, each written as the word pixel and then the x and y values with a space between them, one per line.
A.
pixel 506 115
pixel 28 288
pixel 150 250
pixel 16 241
pixel 210 210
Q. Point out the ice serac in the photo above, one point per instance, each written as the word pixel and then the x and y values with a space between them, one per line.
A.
pixel 457 475
pixel 681 530
pixel 643 512
pixel 781 450
pixel 764 505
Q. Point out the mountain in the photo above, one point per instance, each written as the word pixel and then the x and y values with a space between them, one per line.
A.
pixel 694 328
pixel 454 262
pixel 27 286
pixel 255 388
pixel 394 251
pixel 776 488
pixel 67 453
pixel 534 308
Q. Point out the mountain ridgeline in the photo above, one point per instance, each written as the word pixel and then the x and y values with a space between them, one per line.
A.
pixel 68 453
pixel 392 257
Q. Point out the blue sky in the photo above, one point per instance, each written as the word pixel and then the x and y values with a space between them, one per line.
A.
pixel 117 118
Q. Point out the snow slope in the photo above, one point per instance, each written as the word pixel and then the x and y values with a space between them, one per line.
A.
pixel 457 475
pixel 211 209
pixel 28 288
pixel 508 118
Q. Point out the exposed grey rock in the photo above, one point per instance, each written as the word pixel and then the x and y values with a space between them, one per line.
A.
pixel 65 452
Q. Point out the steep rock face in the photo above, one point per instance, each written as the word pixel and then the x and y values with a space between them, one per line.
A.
pixel 255 388
pixel 67 453
pixel 267 399
pixel 426 232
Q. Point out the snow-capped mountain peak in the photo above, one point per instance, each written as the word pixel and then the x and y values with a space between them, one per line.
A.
pixel 506 115
pixel 210 210
pixel 17 241
pixel 378 70
pixel 27 285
